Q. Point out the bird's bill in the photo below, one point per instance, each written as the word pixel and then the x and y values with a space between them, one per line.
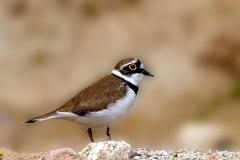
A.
pixel 146 73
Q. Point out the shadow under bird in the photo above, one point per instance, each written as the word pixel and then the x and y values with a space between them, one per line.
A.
pixel 105 101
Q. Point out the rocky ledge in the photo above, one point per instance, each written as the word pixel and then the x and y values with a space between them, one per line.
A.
pixel 118 151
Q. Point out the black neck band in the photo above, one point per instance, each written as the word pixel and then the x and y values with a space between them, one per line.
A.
pixel 130 85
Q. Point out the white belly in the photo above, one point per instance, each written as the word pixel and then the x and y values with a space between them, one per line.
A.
pixel 105 117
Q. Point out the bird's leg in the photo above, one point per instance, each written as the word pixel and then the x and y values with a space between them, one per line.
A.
pixel 108 133
pixel 90 134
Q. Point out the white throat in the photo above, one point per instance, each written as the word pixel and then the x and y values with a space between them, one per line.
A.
pixel 134 78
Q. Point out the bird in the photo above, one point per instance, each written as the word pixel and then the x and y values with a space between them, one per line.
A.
pixel 105 101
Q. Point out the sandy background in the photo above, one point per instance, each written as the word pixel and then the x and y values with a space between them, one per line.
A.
pixel 50 50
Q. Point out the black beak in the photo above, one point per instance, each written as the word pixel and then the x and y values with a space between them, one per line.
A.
pixel 146 73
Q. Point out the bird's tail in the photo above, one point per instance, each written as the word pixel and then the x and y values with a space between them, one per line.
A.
pixel 50 115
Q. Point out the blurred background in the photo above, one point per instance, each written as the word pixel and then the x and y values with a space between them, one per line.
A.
pixel 50 50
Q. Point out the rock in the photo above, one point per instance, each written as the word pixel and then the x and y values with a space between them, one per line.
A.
pixel 61 154
pixel 119 151
pixel 110 150
pixel 8 154
pixel 143 153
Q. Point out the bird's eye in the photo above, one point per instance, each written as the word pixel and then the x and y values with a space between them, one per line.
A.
pixel 132 66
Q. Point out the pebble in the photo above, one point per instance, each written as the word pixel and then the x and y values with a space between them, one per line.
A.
pixel 183 154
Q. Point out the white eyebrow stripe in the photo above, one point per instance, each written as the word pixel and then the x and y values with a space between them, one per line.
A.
pixel 133 61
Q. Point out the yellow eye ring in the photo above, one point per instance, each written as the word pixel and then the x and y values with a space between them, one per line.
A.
pixel 132 66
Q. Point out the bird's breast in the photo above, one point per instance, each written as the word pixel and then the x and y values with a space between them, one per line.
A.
pixel 108 116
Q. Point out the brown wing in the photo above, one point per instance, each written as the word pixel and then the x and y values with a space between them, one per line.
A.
pixel 96 97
